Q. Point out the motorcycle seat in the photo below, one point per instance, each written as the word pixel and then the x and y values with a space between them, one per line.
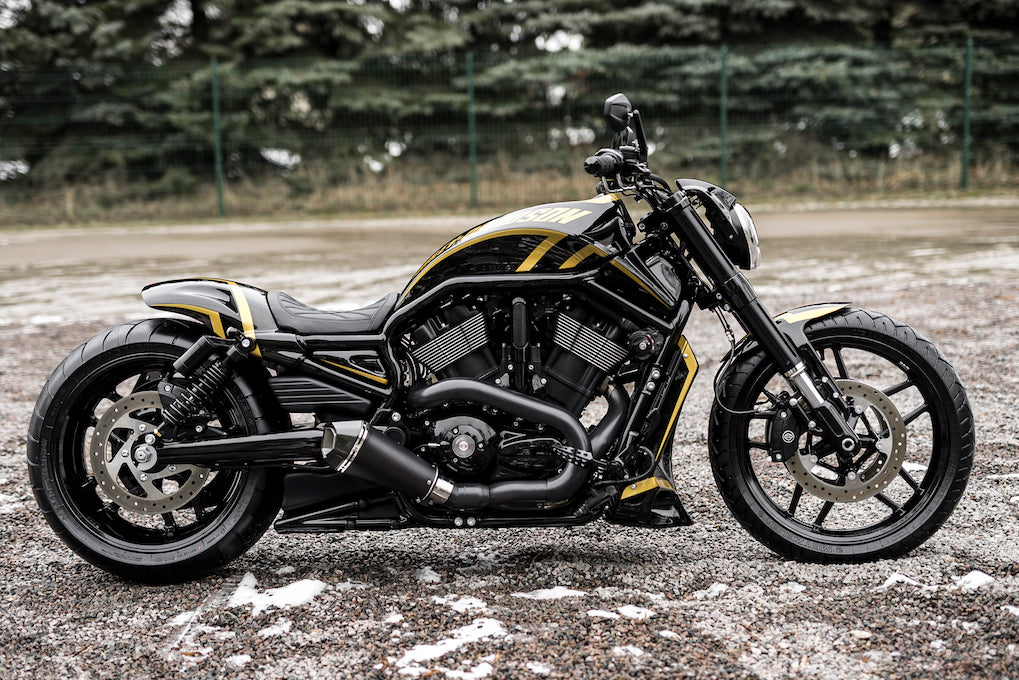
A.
pixel 292 315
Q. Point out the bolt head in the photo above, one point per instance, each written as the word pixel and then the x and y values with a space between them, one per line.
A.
pixel 396 417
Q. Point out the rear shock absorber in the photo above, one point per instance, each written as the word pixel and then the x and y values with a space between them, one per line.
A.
pixel 183 403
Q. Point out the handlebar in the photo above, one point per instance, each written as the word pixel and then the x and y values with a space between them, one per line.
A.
pixel 605 163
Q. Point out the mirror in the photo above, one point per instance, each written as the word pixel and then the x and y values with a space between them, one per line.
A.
pixel 617 112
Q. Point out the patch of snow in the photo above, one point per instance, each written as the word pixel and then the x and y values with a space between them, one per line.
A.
pixel 481 629
pixel 668 635
pixel 551 593
pixel 938 645
pixel 184 618
pixel 792 587
pixel 238 660
pixel 286 570
pixel 460 604
pixel 861 634
pixel 1010 475
pixel 711 592
pixel 913 467
pixel 973 580
pixel 1014 611
pixel 293 595
pixel 278 628
pixel 9 504
pixel 427 575
pixel 393 618
pixel 602 614
pixel 902 578
pixel 627 650
pixel 633 612
pixel 538 668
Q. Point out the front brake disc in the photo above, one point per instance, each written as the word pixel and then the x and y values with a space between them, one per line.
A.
pixel 880 426
pixel 129 473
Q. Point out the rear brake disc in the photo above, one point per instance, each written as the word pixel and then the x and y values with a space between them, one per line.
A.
pixel 129 473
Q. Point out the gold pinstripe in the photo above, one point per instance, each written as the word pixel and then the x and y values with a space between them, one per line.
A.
pixel 621 267
pixel 539 252
pixel 247 321
pixel 814 313
pixel 214 317
pixel 691 367
pixel 466 243
pixel 582 255
pixel 646 485
pixel 691 371
pixel 355 371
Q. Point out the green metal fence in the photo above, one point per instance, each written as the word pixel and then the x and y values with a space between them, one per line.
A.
pixel 482 130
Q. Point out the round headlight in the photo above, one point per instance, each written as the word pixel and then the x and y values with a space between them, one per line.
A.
pixel 744 223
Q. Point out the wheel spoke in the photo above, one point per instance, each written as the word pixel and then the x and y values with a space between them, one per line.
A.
pixel 797 492
pixel 839 362
pixel 758 445
pixel 821 516
pixel 915 413
pixel 895 389
pixel 763 415
pixel 913 484
pixel 895 507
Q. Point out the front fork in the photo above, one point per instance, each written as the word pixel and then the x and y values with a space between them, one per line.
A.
pixel 732 288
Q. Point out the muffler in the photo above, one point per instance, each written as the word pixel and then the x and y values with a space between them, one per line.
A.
pixel 353 447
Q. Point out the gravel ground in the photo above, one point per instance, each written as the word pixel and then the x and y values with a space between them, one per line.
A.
pixel 596 601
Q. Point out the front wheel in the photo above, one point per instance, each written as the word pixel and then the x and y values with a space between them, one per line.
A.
pixel 107 496
pixel 916 430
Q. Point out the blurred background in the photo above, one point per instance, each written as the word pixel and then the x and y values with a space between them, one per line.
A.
pixel 180 109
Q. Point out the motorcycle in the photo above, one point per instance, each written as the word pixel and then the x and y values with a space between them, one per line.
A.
pixel 162 449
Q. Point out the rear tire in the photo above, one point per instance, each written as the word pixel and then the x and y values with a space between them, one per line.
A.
pixel 210 517
pixel 806 509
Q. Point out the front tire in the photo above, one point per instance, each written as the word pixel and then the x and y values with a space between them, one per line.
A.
pixel 918 418
pixel 152 524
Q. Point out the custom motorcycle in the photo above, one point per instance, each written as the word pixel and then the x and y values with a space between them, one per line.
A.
pixel 160 450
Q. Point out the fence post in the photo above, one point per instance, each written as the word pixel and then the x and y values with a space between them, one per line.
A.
pixel 217 138
pixel 967 106
pixel 472 129
pixel 723 116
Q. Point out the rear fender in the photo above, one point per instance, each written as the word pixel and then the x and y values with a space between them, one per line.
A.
pixel 219 305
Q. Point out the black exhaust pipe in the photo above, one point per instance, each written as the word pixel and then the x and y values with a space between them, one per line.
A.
pixel 355 448
pixel 514 494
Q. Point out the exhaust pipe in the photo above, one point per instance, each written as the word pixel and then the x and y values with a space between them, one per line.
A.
pixel 353 447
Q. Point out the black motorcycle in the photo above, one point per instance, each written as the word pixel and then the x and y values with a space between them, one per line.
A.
pixel 162 449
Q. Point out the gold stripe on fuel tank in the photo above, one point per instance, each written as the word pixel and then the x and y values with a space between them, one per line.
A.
pixel 461 246
pixel 581 255
pixel 539 252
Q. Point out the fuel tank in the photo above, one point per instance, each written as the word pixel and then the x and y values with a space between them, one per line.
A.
pixel 544 239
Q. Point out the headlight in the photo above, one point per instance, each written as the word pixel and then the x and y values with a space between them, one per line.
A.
pixel 743 223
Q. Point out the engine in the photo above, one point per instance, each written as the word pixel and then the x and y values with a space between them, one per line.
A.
pixel 561 354
pixel 559 351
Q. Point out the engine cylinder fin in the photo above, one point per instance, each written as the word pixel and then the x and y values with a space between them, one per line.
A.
pixel 454 344
pixel 588 344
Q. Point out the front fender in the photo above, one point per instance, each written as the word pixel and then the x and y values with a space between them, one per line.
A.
pixel 792 324
pixel 220 305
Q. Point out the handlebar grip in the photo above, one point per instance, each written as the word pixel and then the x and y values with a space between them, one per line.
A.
pixel 604 163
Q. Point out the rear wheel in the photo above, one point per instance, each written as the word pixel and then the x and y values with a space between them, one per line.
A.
pixel 102 489
pixel 914 422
